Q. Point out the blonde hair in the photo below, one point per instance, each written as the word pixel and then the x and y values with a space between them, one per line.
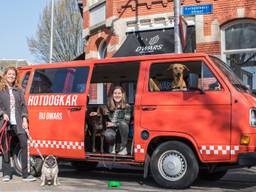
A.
pixel 111 103
pixel 3 83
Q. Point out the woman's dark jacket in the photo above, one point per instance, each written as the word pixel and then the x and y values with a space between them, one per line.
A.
pixel 120 115
pixel 20 106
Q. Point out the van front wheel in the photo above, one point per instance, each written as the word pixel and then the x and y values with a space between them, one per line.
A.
pixel 174 165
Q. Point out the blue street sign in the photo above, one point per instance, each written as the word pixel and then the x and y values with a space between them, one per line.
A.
pixel 197 9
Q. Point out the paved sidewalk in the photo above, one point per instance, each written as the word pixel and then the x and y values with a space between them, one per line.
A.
pixel 131 180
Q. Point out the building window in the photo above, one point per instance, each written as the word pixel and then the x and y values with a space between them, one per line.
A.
pixel 102 50
pixel 239 49
pixel 94 2
pixel 97 13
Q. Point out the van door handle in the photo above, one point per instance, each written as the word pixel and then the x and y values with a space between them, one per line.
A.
pixel 148 108
pixel 75 109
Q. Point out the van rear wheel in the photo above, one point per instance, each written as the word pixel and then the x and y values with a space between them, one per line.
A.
pixel 36 163
pixel 174 165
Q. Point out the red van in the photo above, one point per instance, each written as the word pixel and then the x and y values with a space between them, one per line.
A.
pixel 176 134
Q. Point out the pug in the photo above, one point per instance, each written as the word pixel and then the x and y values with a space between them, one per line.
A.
pixel 50 171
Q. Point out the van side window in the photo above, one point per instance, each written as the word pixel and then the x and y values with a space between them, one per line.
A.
pixel 106 77
pixel 60 80
pixel 181 76
pixel 209 81
pixel 25 80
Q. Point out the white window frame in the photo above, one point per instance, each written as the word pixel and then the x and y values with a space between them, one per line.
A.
pixel 93 2
pixel 224 52
pixel 102 50
pixel 94 10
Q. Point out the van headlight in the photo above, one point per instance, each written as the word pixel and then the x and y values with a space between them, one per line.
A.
pixel 253 117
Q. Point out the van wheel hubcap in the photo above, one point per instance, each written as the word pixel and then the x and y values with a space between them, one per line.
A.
pixel 172 165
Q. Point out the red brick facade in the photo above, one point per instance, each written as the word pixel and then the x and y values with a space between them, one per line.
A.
pixel 209 48
pixel 122 13
pixel 121 17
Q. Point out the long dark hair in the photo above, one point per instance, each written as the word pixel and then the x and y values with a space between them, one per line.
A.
pixel 111 103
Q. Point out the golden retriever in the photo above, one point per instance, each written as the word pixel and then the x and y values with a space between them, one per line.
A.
pixel 177 72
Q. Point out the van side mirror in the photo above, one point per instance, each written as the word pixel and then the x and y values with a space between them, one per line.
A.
pixel 249 89
pixel 193 82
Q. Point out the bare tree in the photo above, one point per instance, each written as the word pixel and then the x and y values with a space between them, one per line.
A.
pixel 67 33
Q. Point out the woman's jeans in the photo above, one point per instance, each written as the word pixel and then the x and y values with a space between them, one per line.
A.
pixel 6 166
pixel 123 129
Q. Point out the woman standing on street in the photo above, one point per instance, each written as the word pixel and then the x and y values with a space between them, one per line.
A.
pixel 13 109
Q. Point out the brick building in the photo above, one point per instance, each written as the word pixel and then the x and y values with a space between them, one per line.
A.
pixel 115 28
pixel 4 63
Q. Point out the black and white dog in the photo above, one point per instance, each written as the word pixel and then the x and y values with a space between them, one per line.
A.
pixel 50 171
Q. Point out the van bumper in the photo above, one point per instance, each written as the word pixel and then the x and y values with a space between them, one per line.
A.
pixel 247 159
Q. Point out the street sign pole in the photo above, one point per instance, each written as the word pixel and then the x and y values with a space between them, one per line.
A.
pixel 177 40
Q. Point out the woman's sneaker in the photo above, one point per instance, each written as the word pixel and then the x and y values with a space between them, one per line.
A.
pixel 123 151
pixel 29 178
pixel 113 149
pixel 6 178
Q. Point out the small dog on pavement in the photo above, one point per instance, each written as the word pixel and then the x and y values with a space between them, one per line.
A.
pixel 50 171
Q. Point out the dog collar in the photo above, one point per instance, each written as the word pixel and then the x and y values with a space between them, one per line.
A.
pixel 179 87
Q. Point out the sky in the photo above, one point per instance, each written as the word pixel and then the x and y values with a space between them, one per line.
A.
pixel 18 21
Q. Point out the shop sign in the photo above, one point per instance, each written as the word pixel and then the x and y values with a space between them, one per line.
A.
pixel 152 46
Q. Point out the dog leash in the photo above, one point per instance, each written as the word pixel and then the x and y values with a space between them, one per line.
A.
pixel 3 135
pixel 33 143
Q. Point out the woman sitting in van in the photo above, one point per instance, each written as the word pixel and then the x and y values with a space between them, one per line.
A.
pixel 119 114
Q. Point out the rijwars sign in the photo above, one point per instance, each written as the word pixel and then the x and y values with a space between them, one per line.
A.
pixel 152 47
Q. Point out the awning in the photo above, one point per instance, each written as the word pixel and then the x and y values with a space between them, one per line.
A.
pixel 80 57
pixel 151 42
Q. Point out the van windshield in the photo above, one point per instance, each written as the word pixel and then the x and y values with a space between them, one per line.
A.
pixel 233 78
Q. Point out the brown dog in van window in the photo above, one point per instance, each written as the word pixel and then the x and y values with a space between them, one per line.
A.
pixel 177 73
